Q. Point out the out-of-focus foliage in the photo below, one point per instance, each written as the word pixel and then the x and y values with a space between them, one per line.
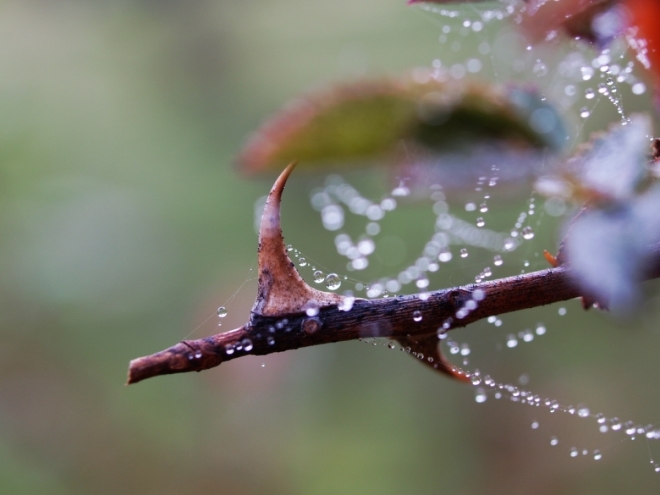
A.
pixel 608 245
pixel 611 166
pixel 608 249
pixel 372 121
pixel 123 227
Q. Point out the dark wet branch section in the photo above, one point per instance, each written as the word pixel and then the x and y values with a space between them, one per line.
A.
pixel 394 317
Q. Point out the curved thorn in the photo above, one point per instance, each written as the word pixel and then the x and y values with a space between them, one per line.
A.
pixel 427 346
pixel 281 289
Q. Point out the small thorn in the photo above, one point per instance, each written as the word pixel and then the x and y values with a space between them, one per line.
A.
pixel 428 347
pixel 554 262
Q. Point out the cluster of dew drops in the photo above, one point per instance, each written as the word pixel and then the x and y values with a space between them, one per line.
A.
pixel 331 281
pixel 580 78
pixel 486 385
pixel 577 81
pixel 336 196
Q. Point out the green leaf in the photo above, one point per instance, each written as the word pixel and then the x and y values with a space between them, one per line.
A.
pixel 383 120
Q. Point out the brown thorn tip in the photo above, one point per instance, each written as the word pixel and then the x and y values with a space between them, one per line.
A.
pixel 554 262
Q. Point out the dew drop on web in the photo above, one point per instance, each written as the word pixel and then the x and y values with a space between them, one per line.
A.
pixel 333 281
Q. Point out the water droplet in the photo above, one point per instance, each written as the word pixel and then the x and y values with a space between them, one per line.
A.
pixel 445 256
pixel 540 330
pixel 653 434
pixel 464 253
pixel 511 341
pixel 271 340
pixel 535 425
pixel 554 441
pixel 312 311
pixel 600 417
pixel 302 262
pixel 527 233
pixel 584 112
pixel 583 412
pixel 561 311
pixel 638 88
pixel 480 222
pixel 346 303
pixel 478 294
pixel 198 354
pixel 540 69
pixel 615 424
pixel 229 349
pixel 333 281
pixel 629 426
pixel 247 345
pixel 318 276
pixel 574 452
pixel 589 93
pixel 476 378
pixel 222 311
pixel 417 316
pixel 483 208
pixel 497 260
pixel 373 228
pixel 480 396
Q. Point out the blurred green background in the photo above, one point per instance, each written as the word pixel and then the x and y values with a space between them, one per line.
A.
pixel 124 224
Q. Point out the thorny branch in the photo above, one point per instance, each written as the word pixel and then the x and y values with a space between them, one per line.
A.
pixel 288 314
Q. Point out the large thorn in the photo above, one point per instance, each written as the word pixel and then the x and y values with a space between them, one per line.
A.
pixel 281 289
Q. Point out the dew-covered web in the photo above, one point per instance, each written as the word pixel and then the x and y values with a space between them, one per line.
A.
pixel 479 233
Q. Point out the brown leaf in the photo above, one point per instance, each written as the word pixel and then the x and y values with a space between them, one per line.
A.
pixel 369 120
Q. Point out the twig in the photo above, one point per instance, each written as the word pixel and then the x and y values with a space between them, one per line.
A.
pixel 288 314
